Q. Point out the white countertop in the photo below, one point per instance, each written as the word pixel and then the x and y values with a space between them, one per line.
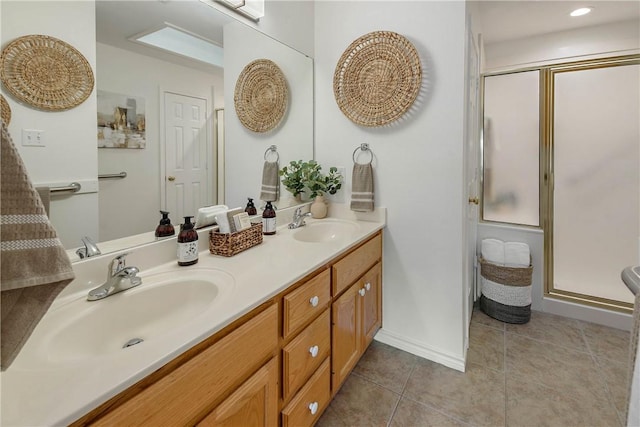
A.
pixel 38 393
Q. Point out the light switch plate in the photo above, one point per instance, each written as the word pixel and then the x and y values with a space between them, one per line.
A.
pixel 33 138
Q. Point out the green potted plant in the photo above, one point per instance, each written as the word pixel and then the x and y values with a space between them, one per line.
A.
pixel 292 177
pixel 319 184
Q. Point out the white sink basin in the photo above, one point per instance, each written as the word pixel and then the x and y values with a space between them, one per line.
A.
pixel 326 230
pixel 88 330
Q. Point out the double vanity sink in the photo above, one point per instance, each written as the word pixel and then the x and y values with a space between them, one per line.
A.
pixel 82 352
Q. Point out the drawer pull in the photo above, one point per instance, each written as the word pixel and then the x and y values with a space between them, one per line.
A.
pixel 362 292
pixel 368 286
pixel 314 301
pixel 313 407
pixel 314 351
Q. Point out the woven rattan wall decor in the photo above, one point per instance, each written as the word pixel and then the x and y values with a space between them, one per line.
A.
pixel 5 110
pixel 377 78
pixel 261 96
pixel 46 73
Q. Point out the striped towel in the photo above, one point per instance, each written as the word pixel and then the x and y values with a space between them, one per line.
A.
pixel 270 182
pixel 362 188
pixel 34 266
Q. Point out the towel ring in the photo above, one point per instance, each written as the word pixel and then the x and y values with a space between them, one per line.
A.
pixel 363 147
pixel 272 149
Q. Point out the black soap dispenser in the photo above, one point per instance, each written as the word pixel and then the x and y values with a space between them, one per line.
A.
pixel 187 243
pixel 165 229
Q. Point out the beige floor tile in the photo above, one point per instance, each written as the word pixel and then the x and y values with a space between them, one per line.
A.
pixel 560 368
pixel 616 376
pixel 479 316
pixel 386 366
pixel 486 346
pixel 607 342
pixel 360 403
pixel 551 328
pixel 414 414
pixel 475 396
pixel 531 404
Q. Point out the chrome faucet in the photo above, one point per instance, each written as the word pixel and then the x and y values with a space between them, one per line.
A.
pixel 298 218
pixel 120 278
pixel 90 248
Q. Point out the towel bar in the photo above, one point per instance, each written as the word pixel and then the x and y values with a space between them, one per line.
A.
pixel 74 187
pixel 112 175
pixel 363 147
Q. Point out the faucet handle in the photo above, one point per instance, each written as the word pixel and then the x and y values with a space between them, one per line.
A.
pixel 118 264
pixel 297 213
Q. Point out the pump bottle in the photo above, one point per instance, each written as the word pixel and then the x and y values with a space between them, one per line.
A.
pixel 187 243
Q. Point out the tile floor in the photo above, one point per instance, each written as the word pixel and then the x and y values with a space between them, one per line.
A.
pixel 552 371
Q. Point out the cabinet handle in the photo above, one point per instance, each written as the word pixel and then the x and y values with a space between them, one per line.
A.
pixel 368 286
pixel 313 407
pixel 314 301
pixel 362 292
pixel 314 351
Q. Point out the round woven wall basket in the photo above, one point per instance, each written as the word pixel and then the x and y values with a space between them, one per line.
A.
pixel 5 110
pixel 261 96
pixel 46 73
pixel 377 78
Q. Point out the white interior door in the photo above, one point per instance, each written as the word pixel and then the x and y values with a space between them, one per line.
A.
pixel 186 154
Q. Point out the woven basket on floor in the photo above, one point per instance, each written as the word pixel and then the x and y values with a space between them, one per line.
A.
pixel 377 78
pixel 507 295
pixel 46 73
pixel 230 244
pixel 261 96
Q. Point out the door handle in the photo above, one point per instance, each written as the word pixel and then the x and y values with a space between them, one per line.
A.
pixel 474 200
pixel 171 178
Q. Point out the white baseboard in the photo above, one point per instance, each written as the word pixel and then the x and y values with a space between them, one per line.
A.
pixel 613 319
pixel 419 349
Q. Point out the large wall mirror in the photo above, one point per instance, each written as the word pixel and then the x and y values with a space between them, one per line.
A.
pixel 173 91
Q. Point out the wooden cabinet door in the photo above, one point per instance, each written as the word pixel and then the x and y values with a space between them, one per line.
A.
pixel 371 304
pixel 254 403
pixel 346 341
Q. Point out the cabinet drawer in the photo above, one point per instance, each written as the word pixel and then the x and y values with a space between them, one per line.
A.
pixel 302 356
pixel 306 302
pixel 308 404
pixel 352 266
pixel 189 392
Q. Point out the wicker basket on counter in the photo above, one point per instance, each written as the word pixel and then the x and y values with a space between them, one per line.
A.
pixel 229 244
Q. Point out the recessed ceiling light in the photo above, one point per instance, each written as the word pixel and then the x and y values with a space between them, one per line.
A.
pixel 581 11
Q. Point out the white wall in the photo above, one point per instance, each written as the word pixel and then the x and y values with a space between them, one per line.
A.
pixel 622 38
pixel 130 206
pixel 71 152
pixel 244 149
pixel 418 168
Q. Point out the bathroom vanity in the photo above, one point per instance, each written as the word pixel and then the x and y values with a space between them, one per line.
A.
pixel 301 310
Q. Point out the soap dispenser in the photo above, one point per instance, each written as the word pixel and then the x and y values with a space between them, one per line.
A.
pixel 269 220
pixel 187 243
pixel 251 208
pixel 165 229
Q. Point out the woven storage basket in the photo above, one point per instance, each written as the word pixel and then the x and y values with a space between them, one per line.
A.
pixel 229 244
pixel 5 110
pixel 510 286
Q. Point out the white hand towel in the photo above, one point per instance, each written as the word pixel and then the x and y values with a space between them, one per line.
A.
pixel 492 250
pixel 516 254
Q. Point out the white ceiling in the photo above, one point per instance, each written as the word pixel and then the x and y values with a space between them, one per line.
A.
pixel 514 19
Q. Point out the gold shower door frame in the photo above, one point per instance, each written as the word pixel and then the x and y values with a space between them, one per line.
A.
pixel 547 77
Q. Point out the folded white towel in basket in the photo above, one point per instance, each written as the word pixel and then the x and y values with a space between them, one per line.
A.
pixel 492 250
pixel 516 254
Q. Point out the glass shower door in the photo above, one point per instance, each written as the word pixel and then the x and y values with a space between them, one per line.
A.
pixel 596 181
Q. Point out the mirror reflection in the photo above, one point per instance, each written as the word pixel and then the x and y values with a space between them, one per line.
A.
pixel 196 152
